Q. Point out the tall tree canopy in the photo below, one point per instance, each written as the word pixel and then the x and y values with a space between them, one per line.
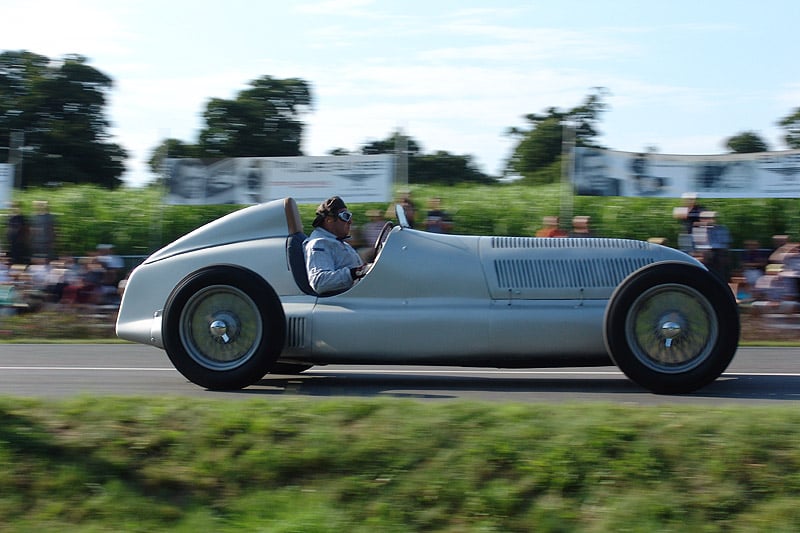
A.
pixel 791 123
pixel 440 167
pixel 262 121
pixel 747 142
pixel 58 108
pixel 540 146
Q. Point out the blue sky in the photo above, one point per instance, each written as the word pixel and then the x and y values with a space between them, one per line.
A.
pixel 683 75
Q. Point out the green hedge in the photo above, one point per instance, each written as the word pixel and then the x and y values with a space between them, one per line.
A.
pixel 137 223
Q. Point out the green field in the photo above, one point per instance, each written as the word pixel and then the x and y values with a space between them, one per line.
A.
pixel 301 465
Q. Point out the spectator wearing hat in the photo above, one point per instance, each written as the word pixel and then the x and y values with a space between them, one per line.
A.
pixel 333 265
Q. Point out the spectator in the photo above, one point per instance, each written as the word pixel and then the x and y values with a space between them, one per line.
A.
pixel 772 291
pixel 781 245
pixel 17 235
pixel 408 207
pixel 753 261
pixel 693 211
pixel 791 272
pixel 550 228
pixel 581 226
pixel 43 231
pixel 370 233
pixel 437 219
pixel 113 264
pixel 719 241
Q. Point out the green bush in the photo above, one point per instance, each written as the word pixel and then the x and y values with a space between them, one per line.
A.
pixel 137 223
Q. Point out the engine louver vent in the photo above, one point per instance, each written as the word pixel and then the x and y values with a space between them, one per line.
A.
pixel 550 243
pixel 565 273
pixel 296 332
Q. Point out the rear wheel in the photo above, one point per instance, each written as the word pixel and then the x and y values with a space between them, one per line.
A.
pixel 223 327
pixel 672 328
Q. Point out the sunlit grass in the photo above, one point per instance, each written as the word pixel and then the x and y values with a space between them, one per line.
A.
pixel 395 465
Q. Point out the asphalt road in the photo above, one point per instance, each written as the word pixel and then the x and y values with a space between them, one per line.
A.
pixel 756 376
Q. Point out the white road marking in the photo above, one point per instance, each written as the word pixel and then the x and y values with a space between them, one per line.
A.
pixel 87 368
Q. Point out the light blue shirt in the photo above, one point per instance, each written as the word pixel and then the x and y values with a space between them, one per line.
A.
pixel 328 262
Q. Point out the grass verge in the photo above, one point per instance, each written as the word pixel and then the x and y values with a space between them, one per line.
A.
pixel 394 465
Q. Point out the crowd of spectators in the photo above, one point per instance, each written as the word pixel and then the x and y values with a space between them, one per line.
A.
pixel 763 279
pixel 32 278
pixel 87 283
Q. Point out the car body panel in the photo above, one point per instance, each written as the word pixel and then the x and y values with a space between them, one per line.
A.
pixel 428 299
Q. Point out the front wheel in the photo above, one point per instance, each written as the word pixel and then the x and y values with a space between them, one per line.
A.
pixel 672 328
pixel 223 327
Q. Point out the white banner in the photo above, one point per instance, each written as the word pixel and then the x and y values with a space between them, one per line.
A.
pixel 6 183
pixel 599 172
pixel 308 179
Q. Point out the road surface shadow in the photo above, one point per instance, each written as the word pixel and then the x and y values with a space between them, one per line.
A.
pixel 526 387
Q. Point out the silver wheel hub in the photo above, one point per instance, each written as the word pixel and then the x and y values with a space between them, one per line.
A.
pixel 671 328
pixel 223 328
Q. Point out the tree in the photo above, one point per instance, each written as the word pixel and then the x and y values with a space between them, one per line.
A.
pixel 445 168
pixel 791 123
pixel 439 167
pixel 262 121
pixel 541 145
pixel 747 142
pixel 391 144
pixel 170 148
pixel 59 107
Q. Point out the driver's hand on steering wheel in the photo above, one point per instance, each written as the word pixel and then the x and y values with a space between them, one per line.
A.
pixel 360 271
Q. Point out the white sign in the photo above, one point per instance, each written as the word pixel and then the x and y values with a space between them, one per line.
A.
pixel 600 172
pixel 6 183
pixel 307 179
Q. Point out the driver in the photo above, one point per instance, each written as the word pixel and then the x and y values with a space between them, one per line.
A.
pixel 332 264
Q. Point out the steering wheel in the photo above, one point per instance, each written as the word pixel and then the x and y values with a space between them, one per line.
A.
pixel 381 239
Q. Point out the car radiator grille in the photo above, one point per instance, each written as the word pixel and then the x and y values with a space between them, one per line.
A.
pixel 565 273
pixel 550 243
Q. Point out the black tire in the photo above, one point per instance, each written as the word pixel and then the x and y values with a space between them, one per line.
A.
pixel 672 328
pixel 223 327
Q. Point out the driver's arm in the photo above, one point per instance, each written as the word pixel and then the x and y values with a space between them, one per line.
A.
pixel 322 258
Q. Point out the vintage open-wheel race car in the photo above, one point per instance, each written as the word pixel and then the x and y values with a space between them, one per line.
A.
pixel 230 302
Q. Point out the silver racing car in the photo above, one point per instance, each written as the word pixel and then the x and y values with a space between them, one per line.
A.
pixel 230 302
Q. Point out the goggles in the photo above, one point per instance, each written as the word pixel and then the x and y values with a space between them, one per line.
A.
pixel 345 216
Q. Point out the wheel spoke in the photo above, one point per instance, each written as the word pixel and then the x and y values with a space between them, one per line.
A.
pixel 220 327
pixel 671 328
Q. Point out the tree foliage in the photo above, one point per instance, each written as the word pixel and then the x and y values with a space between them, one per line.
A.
pixel 59 108
pixel 791 123
pixel 747 142
pixel 171 148
pixel 262 121
pixel 540 146
pixel 440 167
